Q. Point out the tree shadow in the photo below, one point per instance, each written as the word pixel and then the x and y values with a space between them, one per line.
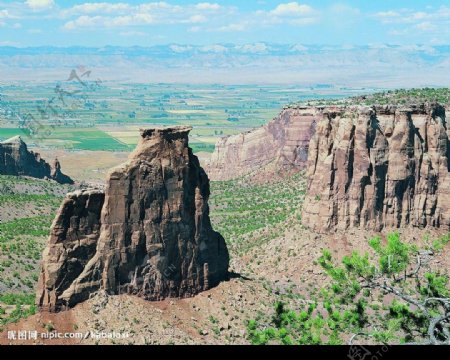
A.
pixel 234 275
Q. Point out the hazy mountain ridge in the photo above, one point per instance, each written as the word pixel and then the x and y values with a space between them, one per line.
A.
pixel 259 62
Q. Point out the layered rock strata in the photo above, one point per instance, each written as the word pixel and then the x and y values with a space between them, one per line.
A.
pixel 17 160
pixel 148 234
pixel 284 142
pixel 379 167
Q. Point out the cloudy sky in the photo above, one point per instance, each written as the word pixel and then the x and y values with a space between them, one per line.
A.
pixel 134 22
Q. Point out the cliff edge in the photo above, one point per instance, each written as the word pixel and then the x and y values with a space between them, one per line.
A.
pixel 17 160
pixel 284 142
pixel 379 167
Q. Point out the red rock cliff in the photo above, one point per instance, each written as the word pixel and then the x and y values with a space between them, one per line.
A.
pixel 284 141
pixel 17 160
pixel 376 167
pixel 151 230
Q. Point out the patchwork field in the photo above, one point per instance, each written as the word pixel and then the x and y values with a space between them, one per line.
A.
pixel 70 139
pixel 107 118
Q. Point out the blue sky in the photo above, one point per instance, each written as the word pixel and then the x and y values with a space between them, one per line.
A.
pixel 133 22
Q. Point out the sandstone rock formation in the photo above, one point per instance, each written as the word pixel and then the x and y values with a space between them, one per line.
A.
pixel 284 141
pixel 57 175
pixel 377 167
pixel 17 160
pixel 147 234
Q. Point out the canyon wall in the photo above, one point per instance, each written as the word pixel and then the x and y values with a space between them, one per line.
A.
pixel 283 141
pixel 17 160
pixel 377 167
pixel 149 233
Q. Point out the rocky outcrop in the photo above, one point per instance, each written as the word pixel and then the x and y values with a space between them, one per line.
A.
pixel 72 244
pixel 283 142
pixel 17 160
pixel 379 167
pixel 149 233
pixel 57 175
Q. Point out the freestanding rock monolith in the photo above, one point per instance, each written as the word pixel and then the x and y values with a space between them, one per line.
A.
pixel 149 234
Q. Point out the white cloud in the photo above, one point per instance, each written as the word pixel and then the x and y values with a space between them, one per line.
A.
pixel 219 17
pixel 162 5
pixel 257 48
pixel 144 18
pixel 139 19
pixel 299 47
pixel 436 21
pixel 83 21
pixel 408 16
pixel 86 21
pixel 195 19
pixel 291 13
pixel 402 32
pixel 207 6
pixel 124 14
pixel 180 49
pixel 426 26
pixel 419 15
pixel 9 43
pixel 40 4
pixel 292 9
pixel 89 8
pixel 214 48
pixel 4 14
pixel 126 20
pixel 387 14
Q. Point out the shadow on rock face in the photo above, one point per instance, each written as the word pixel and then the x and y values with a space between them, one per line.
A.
pixel 148 234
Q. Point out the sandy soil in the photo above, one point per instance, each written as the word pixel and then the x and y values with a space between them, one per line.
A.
pixel 220 315
pixel 86 165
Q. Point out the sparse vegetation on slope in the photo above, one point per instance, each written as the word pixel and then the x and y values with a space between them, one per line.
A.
pixel 14 307
pixel 405 96
pixel 391 296
pixel 21 245
pixel 246 213
pixel 27 211
pixel 391 97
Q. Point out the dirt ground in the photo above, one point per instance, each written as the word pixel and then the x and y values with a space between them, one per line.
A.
pixel 79 165
pixel 216 316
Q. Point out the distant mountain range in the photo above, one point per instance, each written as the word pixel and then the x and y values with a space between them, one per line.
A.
pixel 379 65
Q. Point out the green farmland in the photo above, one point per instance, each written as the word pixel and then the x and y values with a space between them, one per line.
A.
pixel 109 118
pixel 72 139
